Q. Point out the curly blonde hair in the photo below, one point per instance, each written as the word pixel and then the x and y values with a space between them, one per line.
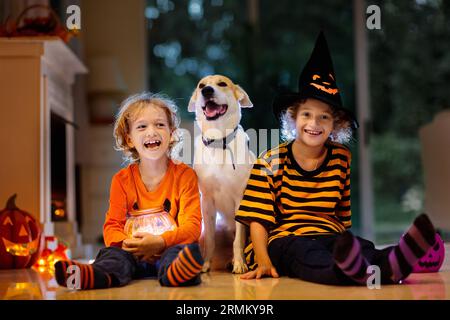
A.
pixel 130 110
pixel 342 131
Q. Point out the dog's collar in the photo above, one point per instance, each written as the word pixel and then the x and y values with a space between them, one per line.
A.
pixel 220 143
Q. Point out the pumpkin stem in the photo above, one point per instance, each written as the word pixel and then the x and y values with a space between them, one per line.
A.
pixel 11 204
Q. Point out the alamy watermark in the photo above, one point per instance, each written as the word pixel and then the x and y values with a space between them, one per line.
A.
pixel 73 21
pixel 374 280
pixel 74 280
pixel 227 148
pixel 374 20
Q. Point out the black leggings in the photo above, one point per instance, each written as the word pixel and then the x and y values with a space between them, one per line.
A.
pixel 312 259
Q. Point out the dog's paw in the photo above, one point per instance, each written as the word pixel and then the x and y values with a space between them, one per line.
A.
pixel 206 267
pixel 239 266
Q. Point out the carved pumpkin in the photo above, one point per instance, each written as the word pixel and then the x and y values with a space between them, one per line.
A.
pixel 433 259
pixel 20 237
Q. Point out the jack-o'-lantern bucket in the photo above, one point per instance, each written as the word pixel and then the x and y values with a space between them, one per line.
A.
pixel 155 221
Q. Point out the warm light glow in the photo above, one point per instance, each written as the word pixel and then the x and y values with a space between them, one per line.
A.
pixel 154 223
pixel 48 264
pixel 23 291
pixel 21 249
pixel 42 269
pixel 48 257
pixel 22 285
pixel 60 213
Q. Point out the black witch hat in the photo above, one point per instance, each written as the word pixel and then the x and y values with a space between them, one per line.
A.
pixel 318 81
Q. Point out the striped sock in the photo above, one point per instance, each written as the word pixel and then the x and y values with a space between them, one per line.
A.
pixel 412 246
pixel 348 257
pixel 90 277
pixel 184 268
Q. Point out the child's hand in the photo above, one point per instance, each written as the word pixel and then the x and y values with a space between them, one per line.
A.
pixel 263 269
pixel 144 245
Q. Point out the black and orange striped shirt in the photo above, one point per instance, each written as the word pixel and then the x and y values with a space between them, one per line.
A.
pixel 288 200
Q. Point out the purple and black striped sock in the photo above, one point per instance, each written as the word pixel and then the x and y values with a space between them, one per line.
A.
pixel 348 257
pixel 412 246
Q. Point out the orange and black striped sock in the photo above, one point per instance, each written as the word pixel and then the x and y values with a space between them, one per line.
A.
pixel 90 277
pixel 185 268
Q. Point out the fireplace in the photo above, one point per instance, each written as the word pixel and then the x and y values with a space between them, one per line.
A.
pixel 58 168
pixel 37 129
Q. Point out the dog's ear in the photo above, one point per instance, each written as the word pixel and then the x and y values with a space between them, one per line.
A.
pixel 242 97
pixel 191 106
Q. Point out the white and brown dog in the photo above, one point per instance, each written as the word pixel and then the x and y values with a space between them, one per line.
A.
pixel 222 160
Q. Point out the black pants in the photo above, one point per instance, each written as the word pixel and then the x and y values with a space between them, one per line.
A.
pixel 312 259
pixel 124 266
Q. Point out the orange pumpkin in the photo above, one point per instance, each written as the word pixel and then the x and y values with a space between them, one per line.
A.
pixel 20 237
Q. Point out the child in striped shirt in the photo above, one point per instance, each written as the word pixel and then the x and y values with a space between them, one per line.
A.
pixel 145 132
pixel 297 200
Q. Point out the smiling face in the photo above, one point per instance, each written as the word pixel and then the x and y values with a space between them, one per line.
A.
pixel 20 241
pixel 314 123
pixel 150 133
pixel 19 237
pixel 217 102
pixel 213 97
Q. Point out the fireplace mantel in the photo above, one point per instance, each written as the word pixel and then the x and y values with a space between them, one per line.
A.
pixel 36 77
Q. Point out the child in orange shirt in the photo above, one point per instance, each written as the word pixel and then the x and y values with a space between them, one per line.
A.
pixel 144 131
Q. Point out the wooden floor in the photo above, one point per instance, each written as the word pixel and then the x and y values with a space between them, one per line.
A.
pixel 28 284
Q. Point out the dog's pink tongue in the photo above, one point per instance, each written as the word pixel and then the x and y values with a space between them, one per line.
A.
pixel 213 111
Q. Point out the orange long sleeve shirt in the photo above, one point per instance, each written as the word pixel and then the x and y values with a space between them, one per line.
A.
pixel 179 186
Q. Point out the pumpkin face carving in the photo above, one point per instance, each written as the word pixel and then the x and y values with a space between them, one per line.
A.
pixel 323 84
pixel 433 259
pixel 20 237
